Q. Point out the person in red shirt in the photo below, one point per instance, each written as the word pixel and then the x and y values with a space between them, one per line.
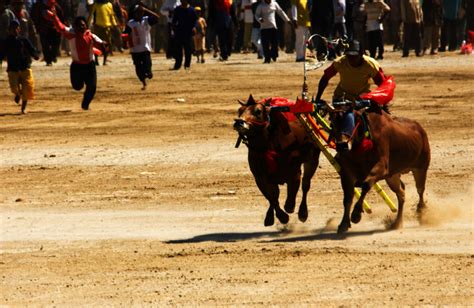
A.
pixel 82 42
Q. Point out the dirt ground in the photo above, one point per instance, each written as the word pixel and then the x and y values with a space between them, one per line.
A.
pixel 143 200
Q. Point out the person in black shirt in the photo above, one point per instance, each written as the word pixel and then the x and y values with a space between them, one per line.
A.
pixel 18 51
pixel 184 26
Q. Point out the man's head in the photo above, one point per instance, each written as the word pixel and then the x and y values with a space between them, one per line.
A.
pixel 354 53
pixel 138 12
pixel 80 24
pixel 14 28
pixel 268 1
pixel 198 10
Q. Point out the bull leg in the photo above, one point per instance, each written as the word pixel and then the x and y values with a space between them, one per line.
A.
pixel 348 188
pixel 309 170
pixel 378 172
pixel 420 181
pixel 356 215
pixel 293 185
pixel 272 192
pixel 396 185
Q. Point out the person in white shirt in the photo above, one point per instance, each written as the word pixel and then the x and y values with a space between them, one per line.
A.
pixel 246 8
pixel 376 11
pixel 140 39
pixel 265 15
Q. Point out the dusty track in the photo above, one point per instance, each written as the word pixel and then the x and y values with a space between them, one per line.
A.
pixel 144 200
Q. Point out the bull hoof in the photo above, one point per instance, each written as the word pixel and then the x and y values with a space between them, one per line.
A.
pixel 396 225
pixel 289 207
pixel 343 228
pixel 302 215
pixel 356 216
pixel 269 220
pixel 283 217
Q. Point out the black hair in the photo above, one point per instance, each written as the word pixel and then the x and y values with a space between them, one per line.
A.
pixel 79 18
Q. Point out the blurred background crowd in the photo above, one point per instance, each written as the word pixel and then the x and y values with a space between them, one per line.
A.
pixel 425 26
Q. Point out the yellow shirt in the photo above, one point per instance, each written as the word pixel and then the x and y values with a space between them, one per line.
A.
pixel 354 81
pixel 104 15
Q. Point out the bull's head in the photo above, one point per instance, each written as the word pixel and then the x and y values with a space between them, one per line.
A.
pixel 252 118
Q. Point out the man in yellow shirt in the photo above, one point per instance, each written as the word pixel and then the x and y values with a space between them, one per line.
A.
pixel 355 72
pixel 104 21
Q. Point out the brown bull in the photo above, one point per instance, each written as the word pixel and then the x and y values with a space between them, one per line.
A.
pixel 277 147
pixel 396 146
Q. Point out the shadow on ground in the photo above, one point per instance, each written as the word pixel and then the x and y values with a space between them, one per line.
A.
pixel 279 236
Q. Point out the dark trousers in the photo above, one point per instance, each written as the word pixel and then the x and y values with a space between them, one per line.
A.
pixel 449 33
pixel 375 39
pixel 84 74
pixel 186 44
pixel 411 38
pixel 270 44
pixel 170 48
pixel 224 35
pixel 142 62
pixel 50 42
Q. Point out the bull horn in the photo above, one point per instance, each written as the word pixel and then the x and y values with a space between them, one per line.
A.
pixel 241 102
pixel 251 100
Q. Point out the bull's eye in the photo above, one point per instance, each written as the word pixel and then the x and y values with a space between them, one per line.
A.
pixel 258 112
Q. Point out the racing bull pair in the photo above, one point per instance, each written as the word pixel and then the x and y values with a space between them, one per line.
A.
pixel 383 148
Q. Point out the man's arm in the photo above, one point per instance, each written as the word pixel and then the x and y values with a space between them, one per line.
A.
pixel 152 16
pixel 380 77
pixel 323 83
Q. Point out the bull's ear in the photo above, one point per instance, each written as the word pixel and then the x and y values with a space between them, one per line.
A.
pixel 251 101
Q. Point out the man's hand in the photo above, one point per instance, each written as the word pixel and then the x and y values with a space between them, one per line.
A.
pixel 49 15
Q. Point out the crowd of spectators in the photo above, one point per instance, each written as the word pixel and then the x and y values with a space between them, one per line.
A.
pixel 425 26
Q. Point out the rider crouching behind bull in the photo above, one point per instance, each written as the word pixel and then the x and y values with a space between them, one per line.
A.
pixel 355 71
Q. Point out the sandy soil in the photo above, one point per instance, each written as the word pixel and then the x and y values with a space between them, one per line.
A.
pixel 143 200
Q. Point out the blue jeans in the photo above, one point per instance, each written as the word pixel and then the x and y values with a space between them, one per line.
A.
pixel 347 123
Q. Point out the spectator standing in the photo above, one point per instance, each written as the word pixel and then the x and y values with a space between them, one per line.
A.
pixel 322 17
pixel 256 34
pixel 121 16
pixel 200 36
pixel 6 17
pixel 27 27
pixel 449 37
pixel 184 27
pixel 412 18
pixel 50 38
pixel 359 17
pixel 302 24
pixel 265 14
pixel 349 21
pixel 322 22
pixel 83 69
pixel 376 11
pixel 104 21
pixel 167 10
pixel 339 29
pixel 395 24
pixel 19 51
pixel 140 27
pixel 247 15
pixel 222 14
pixel 432 22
